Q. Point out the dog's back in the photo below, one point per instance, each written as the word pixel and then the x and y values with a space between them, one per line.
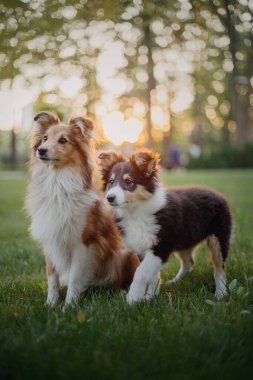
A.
pixel 190 215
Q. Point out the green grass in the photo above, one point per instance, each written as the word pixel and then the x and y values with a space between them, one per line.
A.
pixel 181 334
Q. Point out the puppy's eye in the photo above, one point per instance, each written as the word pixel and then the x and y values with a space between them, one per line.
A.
pixel 45 138
pixel 111 181
pixel 128 181
pixel 62 140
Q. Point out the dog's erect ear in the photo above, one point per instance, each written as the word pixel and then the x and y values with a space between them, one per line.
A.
pixel 45 119
pixel 106 161
pixel 82 126
pixel 146 161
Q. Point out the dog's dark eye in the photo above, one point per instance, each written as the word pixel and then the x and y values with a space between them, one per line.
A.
pixel 111 181
pixel 128 181
pixel 45 138
pixel 62 140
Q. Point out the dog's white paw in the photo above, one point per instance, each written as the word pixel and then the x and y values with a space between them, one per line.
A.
pixel 152 290
pixel 221 292
pixel 71 300
pixel 171 282
pixel 52 298
pixel 52 295
pixel 52 290
pixel 140 293
pixel 146 279
pixel 69 306
pixel 135 294
pixel 133 298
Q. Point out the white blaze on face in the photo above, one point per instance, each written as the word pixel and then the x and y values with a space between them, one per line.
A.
pixel 119 195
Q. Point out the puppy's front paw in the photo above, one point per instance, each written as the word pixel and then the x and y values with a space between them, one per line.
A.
pixel 153 289
pixel 134 298
pixel 136 293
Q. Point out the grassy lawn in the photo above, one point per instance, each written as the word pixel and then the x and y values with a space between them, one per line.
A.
pixel 181 334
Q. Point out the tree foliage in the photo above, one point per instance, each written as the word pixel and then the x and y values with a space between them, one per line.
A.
pixel 42 39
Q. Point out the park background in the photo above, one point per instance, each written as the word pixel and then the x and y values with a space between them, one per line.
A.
pixel 176 76
pixel 149 73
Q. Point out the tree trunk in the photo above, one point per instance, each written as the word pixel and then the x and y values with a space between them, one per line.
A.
pixel 165 152
pixel 249 74
pixel 225 133
pixel 239 108
pixel 13 148
pixel 150 84
pixel 197 134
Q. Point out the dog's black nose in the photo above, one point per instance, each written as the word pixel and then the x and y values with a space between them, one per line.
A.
pixel 42 151
pixel 111 198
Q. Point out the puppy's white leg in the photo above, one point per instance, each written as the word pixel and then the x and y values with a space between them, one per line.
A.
pixel 145 278
pixel 53 283
pixel 220 283
pixel 215 256
pixel 186 264
pixel 153 287
pixel 80 276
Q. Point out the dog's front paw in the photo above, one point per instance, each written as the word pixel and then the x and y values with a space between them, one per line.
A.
pixel 52 298
pixel 69 306
pixel 71 302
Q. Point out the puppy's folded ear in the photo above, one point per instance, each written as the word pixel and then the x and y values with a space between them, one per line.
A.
pixel 46 119
pixel 109 158
pixel 146 161
pixel 81 126
pixel 106 161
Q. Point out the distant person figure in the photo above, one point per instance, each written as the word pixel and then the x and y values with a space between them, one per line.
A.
pixel 175 156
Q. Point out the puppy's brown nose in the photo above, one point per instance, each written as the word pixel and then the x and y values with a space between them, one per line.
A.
pixel 42 151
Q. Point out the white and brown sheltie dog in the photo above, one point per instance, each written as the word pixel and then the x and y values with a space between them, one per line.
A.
pixel 80 239
pixel 156 222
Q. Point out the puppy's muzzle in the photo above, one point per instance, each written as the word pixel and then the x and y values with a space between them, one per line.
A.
pixel 111 198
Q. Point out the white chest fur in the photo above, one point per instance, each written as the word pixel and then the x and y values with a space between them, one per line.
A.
pixel 58 204
pixel 138 222
pixel 139 233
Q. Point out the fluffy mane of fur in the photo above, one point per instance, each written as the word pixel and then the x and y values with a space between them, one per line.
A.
pixel 80 239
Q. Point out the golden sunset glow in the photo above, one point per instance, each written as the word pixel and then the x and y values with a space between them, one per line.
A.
pixel 118 130
pixel 139 109
pixel 121 120
pixel 133 128
pixel 158 116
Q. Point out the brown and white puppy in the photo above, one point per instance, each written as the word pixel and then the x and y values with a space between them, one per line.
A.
pixel 156 222
pixel 76 228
